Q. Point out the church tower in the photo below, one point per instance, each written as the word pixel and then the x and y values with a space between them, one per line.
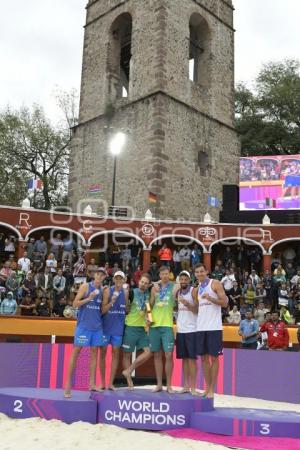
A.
pixel 162 71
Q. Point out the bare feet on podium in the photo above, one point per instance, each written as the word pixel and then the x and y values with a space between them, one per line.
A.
pixel 157 388
pixel 67 393
pixel 210 394
pixel 111 387
pixel 184 390
pixel 127 375
pixel 195 393
pixel 96 389
pixel 170 390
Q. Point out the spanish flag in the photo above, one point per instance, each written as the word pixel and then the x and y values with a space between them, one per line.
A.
pixel 152 198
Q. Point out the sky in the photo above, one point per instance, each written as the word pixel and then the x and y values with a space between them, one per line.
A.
pixel 41 45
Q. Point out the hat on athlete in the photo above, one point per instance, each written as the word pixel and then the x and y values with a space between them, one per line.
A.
pixel 101 269
pixel 119 273
pixel 186 273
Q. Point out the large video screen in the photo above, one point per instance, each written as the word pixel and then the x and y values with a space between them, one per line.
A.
pixel 270 182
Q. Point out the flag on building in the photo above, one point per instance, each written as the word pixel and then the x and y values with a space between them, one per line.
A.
pixel 152 197
pixel 35 184
pixel 95 188
pixel 213 201
pixel 271 202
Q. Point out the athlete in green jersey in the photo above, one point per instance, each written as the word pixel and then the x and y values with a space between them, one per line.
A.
pixel 161 332
pixel 135 336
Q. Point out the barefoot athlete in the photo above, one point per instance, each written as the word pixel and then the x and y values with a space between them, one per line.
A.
pixel 211 297
pixel 88 331
pixel 135 335
pixel 114 307
pixel 186 332
pixel 161 333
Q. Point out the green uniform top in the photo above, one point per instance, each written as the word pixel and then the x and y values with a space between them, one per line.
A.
pixel 137 314
pixel 162 311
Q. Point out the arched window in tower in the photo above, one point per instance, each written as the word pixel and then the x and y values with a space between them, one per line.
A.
pixel 199 50
pixel 120 56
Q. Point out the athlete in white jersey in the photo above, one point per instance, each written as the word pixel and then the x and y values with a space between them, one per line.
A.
pixel 186 332
pixel 211 297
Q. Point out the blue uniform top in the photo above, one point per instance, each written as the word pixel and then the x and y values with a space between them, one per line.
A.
pixel 89 314
pixel 114 319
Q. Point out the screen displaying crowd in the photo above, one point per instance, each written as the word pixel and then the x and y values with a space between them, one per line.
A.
pixel 45 280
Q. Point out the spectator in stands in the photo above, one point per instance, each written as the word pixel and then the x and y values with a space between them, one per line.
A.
pixel 177 261
pixel 165 255
pixel 40 246
pixel 278 335
pixel 5 273
pixel 43 309
pixel 234 295
pixel 51 263
pixel 114 269
pixel 2 246
pixel 79 268
pixel 195 255
pixel 295 279
pixel 217 273
pixel 279 270
pixel 234 316
pixel 290 271
pixel 70 312
pixel 260 313
pixel 254 278
pixel 283 295
pixel 37 261
pixel 154 272
pixel 285 315
pixel 249 295
pixel 25 262
pixel 126 257
pixel 12 262
pixel 227 281
pixel 68 248
pixel 27 306
pixel 20 276
pixel 67 273
pixel 137 276
pixel 9 247
pixel 12 284
pixel 30 247
pixel 297 314
pixel 227 256
pixel 185 255
pixel 29 286
pixel 59 307
pixel 56 246
pixel 59 284
pixel 45 283
pixel 9 305
pixel 249 330
pixel 267 284
pixel 260 293
pixel 135 256
pixel 91 269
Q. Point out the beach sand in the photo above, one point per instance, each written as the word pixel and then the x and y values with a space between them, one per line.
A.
pixel 39 434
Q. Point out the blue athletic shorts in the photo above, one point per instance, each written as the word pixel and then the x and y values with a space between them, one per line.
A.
pixel 115 341
pixel 186 346
pixel 87 338
pixel 209 343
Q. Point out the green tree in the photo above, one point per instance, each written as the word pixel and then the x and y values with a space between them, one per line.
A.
pixel 268 118
pixel 31 147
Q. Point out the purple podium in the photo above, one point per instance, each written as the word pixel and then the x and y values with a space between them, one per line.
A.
pixel 248 422
pixel 144 410
pixel 23 403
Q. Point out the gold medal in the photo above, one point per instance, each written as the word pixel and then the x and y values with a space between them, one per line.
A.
pixel 160 304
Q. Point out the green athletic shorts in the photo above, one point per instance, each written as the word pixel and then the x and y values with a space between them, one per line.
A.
pixel 161 338
pixel 135 337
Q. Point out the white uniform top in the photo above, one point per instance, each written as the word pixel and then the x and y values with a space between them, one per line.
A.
pixel 186 320
pixel 209 315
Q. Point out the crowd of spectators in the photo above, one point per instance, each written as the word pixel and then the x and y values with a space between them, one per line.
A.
pixel 268 169
pixel 44 281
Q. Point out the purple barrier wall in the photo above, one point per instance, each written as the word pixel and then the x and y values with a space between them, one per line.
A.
pixel 259 374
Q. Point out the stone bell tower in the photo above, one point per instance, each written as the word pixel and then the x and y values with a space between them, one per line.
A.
pixel 163 72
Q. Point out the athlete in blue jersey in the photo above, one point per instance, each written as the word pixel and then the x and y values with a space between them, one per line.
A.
pixel 89 330
pixel 114 307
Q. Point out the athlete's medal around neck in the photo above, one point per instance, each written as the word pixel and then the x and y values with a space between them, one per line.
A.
pixel 162 293
pixel 141 300
pixel 203 286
